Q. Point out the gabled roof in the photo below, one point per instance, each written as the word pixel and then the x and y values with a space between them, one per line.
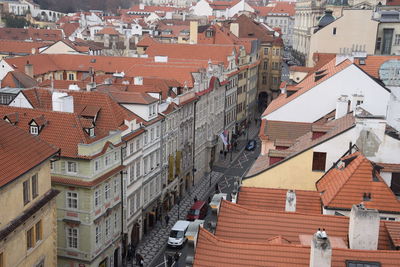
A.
pixel 213 250
pixel 30 34
pixel 18 79
pixel 273 130
pixel 275 199
pixel 109 31
pixel 327 71
pixel 20 152
pixel 344 186
pixel 132 98
pixel 18 47
pixel 241 223
pixel 69 28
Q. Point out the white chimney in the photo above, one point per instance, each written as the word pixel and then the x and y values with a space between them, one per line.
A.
pixel 356 100
pixel 341 107
pixel 163 59
pixel 73 87
pixel 138 80
pixel 363 228
pixel 62 102
pixel 141 6
pixel 290 201
pixel 321 250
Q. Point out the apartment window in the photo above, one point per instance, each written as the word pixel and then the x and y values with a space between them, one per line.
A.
pixel 38 231
pixel 97 165
pixel 137 200
pixel 34 130
pixel 152 134
pixel 132 205
pixel 52 167
pixel 275 65
pixel 158 131
pixel 137 168
pixel 319 161
pixel 71 76
pixel 265 67
pixel 149 110
pixel 265 51
pixel 146 164
pixel 97 195
pixel 115 221
pixel 116 184
pixel 35 187
pixel 72 200
pixel 264 79
pixel 131 173
pixel 71 167
pixel 26 192
pixel 107 191
pixel 138 144
pixel 98 234
pixel 72 237
pixel 397 39
pixel 145 138
pixel 107 160
pixel 131 147
pixel 378 43
pixel 30 242
pixel 334 31
pixel 108 226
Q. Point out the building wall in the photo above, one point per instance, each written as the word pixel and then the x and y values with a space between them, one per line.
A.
pixel 14 248
pixel 395 45
pixel 342 83
pixel 354 29
pixel 60 48
pixel 283 176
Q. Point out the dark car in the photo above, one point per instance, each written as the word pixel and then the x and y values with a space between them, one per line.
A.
pixel 251 145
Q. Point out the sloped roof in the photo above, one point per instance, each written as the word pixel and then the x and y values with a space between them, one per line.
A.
pixel 30 33
pixel 283 8
pixel 132 98
pixel 20 152
pixel 307 84
pixel 18 79
pixel 69 28
pixel 275 199
pixel 241 223
pixel 18 47
pixel 108 30
pixel 212 250
pixel 344 186
pixel 283 129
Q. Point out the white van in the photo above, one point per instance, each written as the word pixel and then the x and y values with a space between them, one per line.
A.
pixel 177 235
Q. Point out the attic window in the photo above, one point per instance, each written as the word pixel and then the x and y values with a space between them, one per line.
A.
pixel 366 196
pixel 362 61
pixel 34 130
pixel 319 77
pixel 351 263
pixel 319 72
pixel 91 132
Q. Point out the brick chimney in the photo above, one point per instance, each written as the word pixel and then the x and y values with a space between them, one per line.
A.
pixel 29 69
pixel 363 228
pixel 321 250
pixel 290 201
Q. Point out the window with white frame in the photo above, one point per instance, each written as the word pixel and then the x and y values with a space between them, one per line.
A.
pixel 137 144
pixel 72 237
pixel 146 164
pixel 146 194
pixel 97 197
pixel 34 130
pixel 131 148
pixel 397 39
pixel 116 186
pixel 108 228
pixel 97 165
pixel 152 189
pixel 152 162
pixel 151 134
pixel 131 205
pixel 72 200
pixel 98 234
pixel 107 191
pixel 137 202
pixel 145 138
pixel 71 167
pixel 131 173
pixel 116 222
pixel 107 160
pixel 137 169
pixel 158 131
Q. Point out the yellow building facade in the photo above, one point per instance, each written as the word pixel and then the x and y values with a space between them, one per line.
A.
pixel 293 173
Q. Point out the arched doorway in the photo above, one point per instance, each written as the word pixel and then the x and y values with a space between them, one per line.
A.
pixel 135 234
pixel 116 252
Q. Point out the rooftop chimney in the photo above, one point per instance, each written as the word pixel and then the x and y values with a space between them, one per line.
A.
pixel 234 28
pixel 138 80
pixel 341 107
pixel 321 250
pixel 290 201
pixel 29 69
pixel 363 228
pixel 193 32
pixel 62 102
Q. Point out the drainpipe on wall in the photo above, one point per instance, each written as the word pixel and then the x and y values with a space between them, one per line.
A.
pixel 194 141
pixel 124 235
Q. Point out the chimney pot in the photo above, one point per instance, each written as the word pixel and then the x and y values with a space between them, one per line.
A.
pixel 321 250
pixel 363 227
pixel 290 201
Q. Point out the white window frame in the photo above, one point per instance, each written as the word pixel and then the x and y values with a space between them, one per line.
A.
pixel 97 236
pixel 67 197
pixel 107 191
pixel 97 165
pixel 116 186
pixel 34 130
pixel 72 163
pixel 97 198
pixel 72 236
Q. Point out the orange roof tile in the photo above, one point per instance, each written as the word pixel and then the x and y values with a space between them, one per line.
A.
pixel 132 97
pixel 345 186
pixel 30 34
pixel 212 250
pixel 389 167
pixel 18 47
pixel 240 223
pixel 275 199
pixel 20 152
pixel 109 31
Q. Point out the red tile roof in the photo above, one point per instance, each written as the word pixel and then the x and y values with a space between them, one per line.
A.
pixel 20 152
pixel 30 34
pixel 17 47
pixel 216 251
pixel 275 199
pixel 18 79
pixel 273 130
pixel 69 28
pixel 132 98
pixel 389 167
pixel 109 31
pixel 283 8
pixel 240 223
pixel 343 187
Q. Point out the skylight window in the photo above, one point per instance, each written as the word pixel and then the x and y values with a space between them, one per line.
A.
pixel 362 264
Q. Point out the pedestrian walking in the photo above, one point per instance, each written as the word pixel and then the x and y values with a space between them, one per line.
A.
pixel 195 199
pixel 138 257
pixel 235 144
pixel 166 220
pixel 176 258
pixel 141 262
pixel 169 261
pixel 216 188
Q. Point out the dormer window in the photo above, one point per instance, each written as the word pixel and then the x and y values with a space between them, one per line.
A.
pixel 91 132
pixel 34 130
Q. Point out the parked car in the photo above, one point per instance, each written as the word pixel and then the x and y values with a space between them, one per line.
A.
pixel 177 235
pixel 251 145
pixel 197 211
pixel 291 63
